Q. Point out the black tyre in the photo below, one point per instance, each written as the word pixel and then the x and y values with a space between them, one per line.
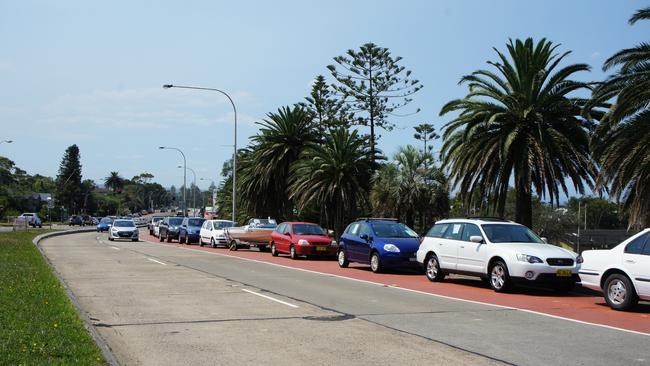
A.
pixel 619 292
pixel 274 251
pixel 261 248
pixel 233 245
pixel 134 239
pixel 160 237
pixel 292 252
pixel 343 259
pixel 499 277
pixel 212 243
pixel 375 262
pixel 181 239
pixel 150 232
pixel 110 239
pixel 432 268
pixel 169 238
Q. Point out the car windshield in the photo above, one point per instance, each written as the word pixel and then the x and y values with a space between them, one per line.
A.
pixel 106 220
pixel 156 219
pixel 195 222
pixel 222 224
pixel 176 221
pixel 393 230
pixel 500 233
pixel 307 229
pixel 124 223
pixel 264 224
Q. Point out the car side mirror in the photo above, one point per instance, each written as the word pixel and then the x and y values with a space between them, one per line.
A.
pixel 476 239
pixel 545 240
pixel 287 233
pixel 363 236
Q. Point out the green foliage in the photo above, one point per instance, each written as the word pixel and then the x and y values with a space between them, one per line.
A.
pixel 18 189
pixel 39 324
pixel 426 133
pixel 333 175
pixel 327 111
pixel 622 141
pixel 519 123
pixel 374 86
pixel 69 192
pixel 114 182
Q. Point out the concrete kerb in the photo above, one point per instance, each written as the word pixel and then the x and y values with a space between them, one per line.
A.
pixel 103 346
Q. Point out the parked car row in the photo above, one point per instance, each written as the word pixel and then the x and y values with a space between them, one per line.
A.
pixel 503 254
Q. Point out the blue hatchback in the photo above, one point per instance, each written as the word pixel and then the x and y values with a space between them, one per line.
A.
pixel 190 230
pixel 104 224
pixel 382 243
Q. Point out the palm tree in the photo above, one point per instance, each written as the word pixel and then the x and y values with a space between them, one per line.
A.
pixel 264 175
pixel 334 175
pixel 520 124
pixel 114 182
pixel 622 141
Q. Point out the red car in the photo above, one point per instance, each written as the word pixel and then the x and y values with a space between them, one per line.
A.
pixel 302 239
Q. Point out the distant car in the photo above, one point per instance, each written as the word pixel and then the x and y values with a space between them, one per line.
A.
pixel 169 228
pixel 212 232
pixel 87 220
pixel 123 229
pixel 156 228
pixel 190 230
pixel 104 224
pixel 501 252
pixel 163 209
pixel 302 239
pixel 150 225
pixel 382 243
pixel 32 219
pixel 76 220
pixel 621 273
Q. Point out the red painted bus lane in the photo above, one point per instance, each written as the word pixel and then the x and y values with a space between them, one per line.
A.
pixel 580 306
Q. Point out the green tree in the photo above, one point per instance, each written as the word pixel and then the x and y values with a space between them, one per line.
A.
pixel 373 83
pixel 68 182
pixel 263 173
pixel 426 133
pixel 333 175
pixel 622 140
pixel 114 182
pixel 327 111
pixel 520 123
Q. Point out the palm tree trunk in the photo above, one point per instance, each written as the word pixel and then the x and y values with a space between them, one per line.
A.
pixel 524 205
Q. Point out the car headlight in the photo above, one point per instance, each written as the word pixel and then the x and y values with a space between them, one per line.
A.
pixel 303 242
pixel 391 248
pixel 529 258
pixel 579 259
pixel 333 243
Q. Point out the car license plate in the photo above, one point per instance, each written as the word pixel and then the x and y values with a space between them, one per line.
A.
pixel 564 273
pixel 321 249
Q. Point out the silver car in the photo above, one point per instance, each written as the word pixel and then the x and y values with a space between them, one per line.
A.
pixel 123 229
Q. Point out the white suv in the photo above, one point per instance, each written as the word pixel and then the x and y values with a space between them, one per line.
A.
pixel 499 251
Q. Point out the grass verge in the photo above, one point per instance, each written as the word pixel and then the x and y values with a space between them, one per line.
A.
pixel 38 323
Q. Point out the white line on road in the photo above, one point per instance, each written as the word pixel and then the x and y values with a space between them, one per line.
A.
pixel 116 248
pixel 271 298
pixel 159 262
pixel 422 292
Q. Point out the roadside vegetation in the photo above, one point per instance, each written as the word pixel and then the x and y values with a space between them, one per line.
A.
pixel 40 326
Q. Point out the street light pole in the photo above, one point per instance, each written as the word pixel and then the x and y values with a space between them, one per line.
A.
pixel 194 173
pixel 184 175
pixel 234 155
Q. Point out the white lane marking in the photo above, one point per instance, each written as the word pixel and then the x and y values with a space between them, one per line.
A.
pixel 270 298
pixel 116 248
pixel 159 262
pixel 425 293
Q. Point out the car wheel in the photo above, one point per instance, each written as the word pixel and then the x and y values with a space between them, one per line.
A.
pixel 432 269
pixel 274 251
pixel 212 243
pixel 233 245
pixel 160 237
pixel 343 259
pixel 292 252
pixel 375 262
pixel 181 239
pixel 110 239
pixel 261 248
pixel 499 277
pixel 150 232
pixel 134 239
pixel 169 238
pixel 619 292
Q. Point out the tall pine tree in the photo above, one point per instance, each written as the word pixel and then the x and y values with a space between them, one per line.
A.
pixel 69 191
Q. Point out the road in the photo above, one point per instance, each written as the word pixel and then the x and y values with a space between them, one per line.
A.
pixel 170 304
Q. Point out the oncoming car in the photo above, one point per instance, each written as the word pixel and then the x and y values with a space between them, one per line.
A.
pixel 104 224
pixel 123 229
pixel 499 251
pixel 382 243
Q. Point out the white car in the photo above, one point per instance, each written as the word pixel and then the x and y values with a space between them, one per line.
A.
pixel 31 219
pixel 152 223
pixel 156 228
pixel 499 251
pixel 123 229
pixel 212 232
pixel 621 273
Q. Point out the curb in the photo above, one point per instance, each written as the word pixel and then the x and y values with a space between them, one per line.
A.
pixel 103 346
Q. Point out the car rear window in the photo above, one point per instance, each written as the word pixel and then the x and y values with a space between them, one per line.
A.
pixel 636 245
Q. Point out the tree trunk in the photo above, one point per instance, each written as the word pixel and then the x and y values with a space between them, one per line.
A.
pixel 524 205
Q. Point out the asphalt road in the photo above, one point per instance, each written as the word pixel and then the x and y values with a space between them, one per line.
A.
pixel 161 304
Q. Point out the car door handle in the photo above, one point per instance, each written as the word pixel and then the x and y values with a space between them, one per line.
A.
pixel 630 261
pixel 462 246
pixel 440 244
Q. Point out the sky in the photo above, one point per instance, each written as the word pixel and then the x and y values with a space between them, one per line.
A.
pixel 91 73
